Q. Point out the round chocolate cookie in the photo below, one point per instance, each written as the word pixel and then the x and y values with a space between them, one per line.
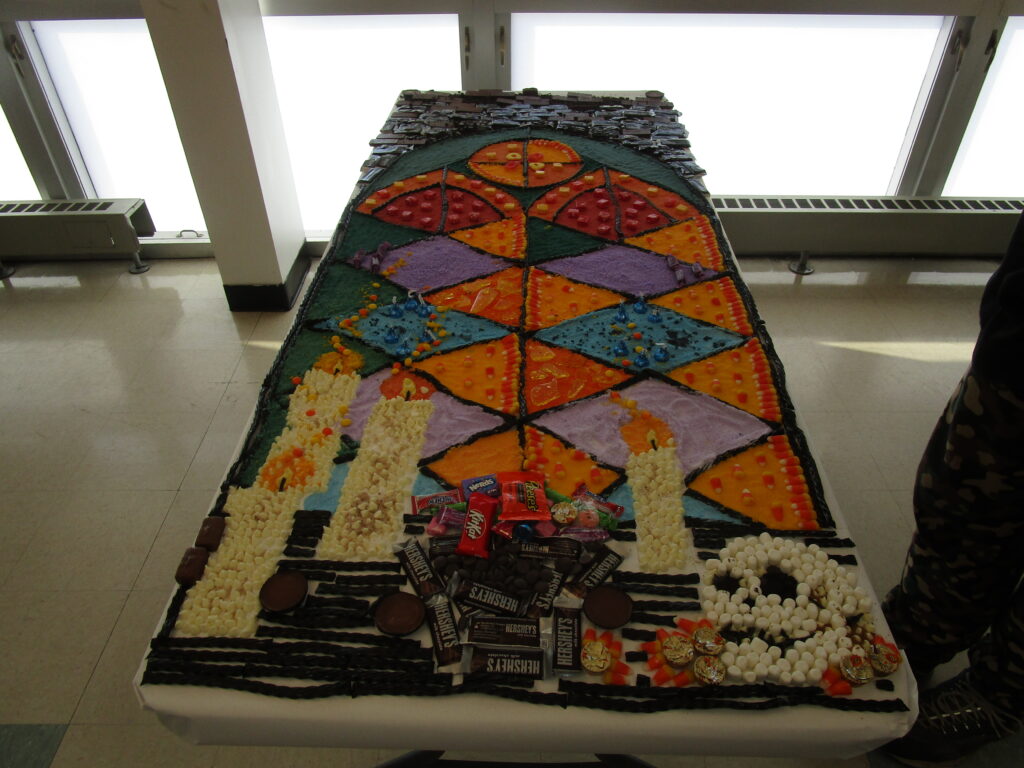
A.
pixel 399 613
pixel 283 591
pixel 608 607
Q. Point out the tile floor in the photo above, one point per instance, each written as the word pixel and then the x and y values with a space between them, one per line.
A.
pixel 123 398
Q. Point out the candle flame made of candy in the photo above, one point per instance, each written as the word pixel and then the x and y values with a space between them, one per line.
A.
pixel 644 432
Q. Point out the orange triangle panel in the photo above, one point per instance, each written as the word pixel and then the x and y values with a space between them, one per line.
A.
pixel 485 373
pixel 385 195
pixel 494 453
pixel 564 467
pixel 740 377
pixel 692 240
pixel 497 297
pixel 502 238
pixel 765 483
pixel 551 202
pixel 714 301
pixel 552 299
pixel 555 376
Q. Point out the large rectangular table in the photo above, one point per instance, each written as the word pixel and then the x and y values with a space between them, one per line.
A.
pixel 522 156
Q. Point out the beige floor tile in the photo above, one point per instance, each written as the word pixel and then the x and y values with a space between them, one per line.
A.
pixel 109 697
pixel 129 746
pixel 179 529
pixel 147 450
pixel 256 359
pixel 93 540
pixel 901 440
pixel 843 449
pixel 60 282
pixel 20 516
pixel 296 757
pixel 879 528
pixel 221 441
pixel 50 644
pixel 785 762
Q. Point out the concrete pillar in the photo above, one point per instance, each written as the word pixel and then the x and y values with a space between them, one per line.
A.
pixel 215 64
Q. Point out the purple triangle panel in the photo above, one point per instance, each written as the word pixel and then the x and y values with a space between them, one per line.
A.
pixel 629 270
pixel 704 427
pixel 451 423
pixel 438 262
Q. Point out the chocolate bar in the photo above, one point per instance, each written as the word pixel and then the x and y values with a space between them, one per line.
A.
pixel 491 630
pixel 443 632
pixel 600 568
pixel 419 570
pixel 566 629
pixel 488 598
pixel 553 547
pixel 522 662
pixel 541 602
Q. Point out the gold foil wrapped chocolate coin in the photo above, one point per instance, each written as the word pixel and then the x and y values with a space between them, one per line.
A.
pixel 708 642
pixel 856 669
pixel 884 660
pixel 677 650
pixel 709 670
pixel 563 513
pixel 596 657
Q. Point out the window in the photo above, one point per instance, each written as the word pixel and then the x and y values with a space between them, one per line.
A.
pixel 15 182
pixel 775 104
pixel 110 87
pixel 990 162
pixel 337 78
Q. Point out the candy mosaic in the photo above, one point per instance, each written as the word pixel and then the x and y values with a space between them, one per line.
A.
pixel 528 382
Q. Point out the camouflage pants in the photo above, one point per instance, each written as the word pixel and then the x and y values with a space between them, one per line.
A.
pixel 961 587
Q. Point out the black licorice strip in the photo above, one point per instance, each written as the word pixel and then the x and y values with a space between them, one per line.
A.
pixel 295 661
pixel 291 551
pixel 370 578
pixel 313 514
pixel 243 643
pixel 312 575
pixel 302 541
pixel 346 589
pixel 413 530
pixel 641 635
pixel 317 601
pixel 318 622
pixel 172 612
pixel 745 691
pixel 661 620
pixel 666 605
pixel 705 555
pixel 250 686
pixel 655 578
pixel 636 656
pixel 627 525
pixel 338 637
pixel 844 559
pixel 389 566
pixel 623 535
pixel 310 646
pixel 657 589
pixel 302 672
pixel 417 518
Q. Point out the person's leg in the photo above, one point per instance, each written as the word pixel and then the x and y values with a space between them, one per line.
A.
pixel 962 566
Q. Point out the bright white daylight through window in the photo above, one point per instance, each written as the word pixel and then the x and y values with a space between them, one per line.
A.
pixel 338 78
pixel 790 104
pixel 111 89
pixel 990 162
pixel 15 182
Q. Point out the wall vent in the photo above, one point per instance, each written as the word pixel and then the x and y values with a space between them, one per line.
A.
pixel 53 229
pixel 868 225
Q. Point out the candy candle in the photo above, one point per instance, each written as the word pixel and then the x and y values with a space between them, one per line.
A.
pixel 368 519
pixel 225 601
pixel 663 542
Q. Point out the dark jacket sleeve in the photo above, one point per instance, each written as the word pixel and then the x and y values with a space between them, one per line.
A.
pixel 999 353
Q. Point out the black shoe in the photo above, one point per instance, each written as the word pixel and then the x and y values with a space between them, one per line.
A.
pixel 955 720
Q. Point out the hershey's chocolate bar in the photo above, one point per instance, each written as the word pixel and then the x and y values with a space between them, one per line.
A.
pixel 443 545
pixel 493 630
pixel 552 547
pixel 490 599
pixel 600 568
pixel 523 662
pixel 541 602
pixel 443 632
pixel 566 629
pixel 419 570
